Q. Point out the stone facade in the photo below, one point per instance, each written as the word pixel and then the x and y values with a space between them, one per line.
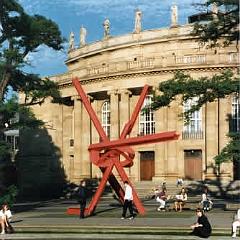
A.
pixel 115 69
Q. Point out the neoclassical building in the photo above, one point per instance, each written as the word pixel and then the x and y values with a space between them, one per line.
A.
pixel 113 72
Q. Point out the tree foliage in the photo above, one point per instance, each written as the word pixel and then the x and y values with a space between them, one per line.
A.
pixel 21 34
pixel 205 89
pixel 220 29
pixel 223 27
pixel 231 151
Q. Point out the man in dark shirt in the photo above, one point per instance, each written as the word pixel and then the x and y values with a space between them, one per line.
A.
pixel 82 197
pixel 202 227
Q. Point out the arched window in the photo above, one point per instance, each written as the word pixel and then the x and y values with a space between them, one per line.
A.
pixel 236 113
pixel 106 124
pixel 147 119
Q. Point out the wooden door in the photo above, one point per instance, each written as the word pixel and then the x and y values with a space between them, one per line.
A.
pixel 193 164
pixel 147 165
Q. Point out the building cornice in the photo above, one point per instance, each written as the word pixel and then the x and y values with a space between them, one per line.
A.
pixel 129 40
pixel 153 72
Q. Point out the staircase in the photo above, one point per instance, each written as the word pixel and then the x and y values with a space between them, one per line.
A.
pixel 145 191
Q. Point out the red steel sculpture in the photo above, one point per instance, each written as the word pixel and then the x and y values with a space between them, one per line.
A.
pixel 108 154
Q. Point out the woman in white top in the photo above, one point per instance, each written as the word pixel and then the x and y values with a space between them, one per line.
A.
pixel 180 200
pixel 236 223
pixel 5 215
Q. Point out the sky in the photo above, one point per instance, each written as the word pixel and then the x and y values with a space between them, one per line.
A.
pixel 70 15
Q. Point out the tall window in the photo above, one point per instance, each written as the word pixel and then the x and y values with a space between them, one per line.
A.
pixel 236 113
pixel 195 123
pixel 147 121
pixel 106 124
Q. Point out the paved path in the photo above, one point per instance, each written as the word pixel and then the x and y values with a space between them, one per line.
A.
pixel 55 214
pixel 103 237
pixel 49 221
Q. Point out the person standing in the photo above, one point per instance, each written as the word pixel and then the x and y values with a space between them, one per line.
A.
pixel 82 197
pixel 236 223
pixel 128 198
pixel 202 227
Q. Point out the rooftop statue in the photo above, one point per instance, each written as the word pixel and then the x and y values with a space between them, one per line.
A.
pixel 138 19
pixel 83 33
pixel 106 26
pixel 71 41
pixel 215 10
pixel 174 15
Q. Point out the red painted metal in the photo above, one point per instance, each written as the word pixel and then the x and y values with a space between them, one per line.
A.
pixel 107 154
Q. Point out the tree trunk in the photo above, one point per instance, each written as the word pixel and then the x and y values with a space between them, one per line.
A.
pixel 3 85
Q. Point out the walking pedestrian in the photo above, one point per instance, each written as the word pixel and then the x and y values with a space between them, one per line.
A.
pixel 82 197
pixel 128 198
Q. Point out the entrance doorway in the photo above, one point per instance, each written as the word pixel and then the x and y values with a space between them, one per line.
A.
pixel 147 168
pixel 193 164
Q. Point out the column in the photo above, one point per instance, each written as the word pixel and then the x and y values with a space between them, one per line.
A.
pixel 96 105
pixel 226 169
pixel 135 169
pixel 160 154
pixel 211 138
pixel 67 134
pixel 77 133
pixel 114 107
pixel 124 108
pixel 172 161
pixel 124 116
pixel 86 135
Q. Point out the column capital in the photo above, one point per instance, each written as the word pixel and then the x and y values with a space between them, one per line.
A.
pixel 155 89
pixel 75 97
pixel 125 91
pixel 112 92
pixel 90 98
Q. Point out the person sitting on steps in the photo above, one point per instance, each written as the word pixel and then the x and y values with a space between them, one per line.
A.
pixel 161 198
pixel 206 202
pixel 180 200
pixel 5 216
pixel 236 223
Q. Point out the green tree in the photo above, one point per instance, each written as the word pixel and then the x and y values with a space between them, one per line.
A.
pixel 231 151
pixel 20 35
pixel 220 30
pixel 206 89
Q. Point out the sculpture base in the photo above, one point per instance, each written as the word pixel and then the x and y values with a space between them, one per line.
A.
pixel 75 211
